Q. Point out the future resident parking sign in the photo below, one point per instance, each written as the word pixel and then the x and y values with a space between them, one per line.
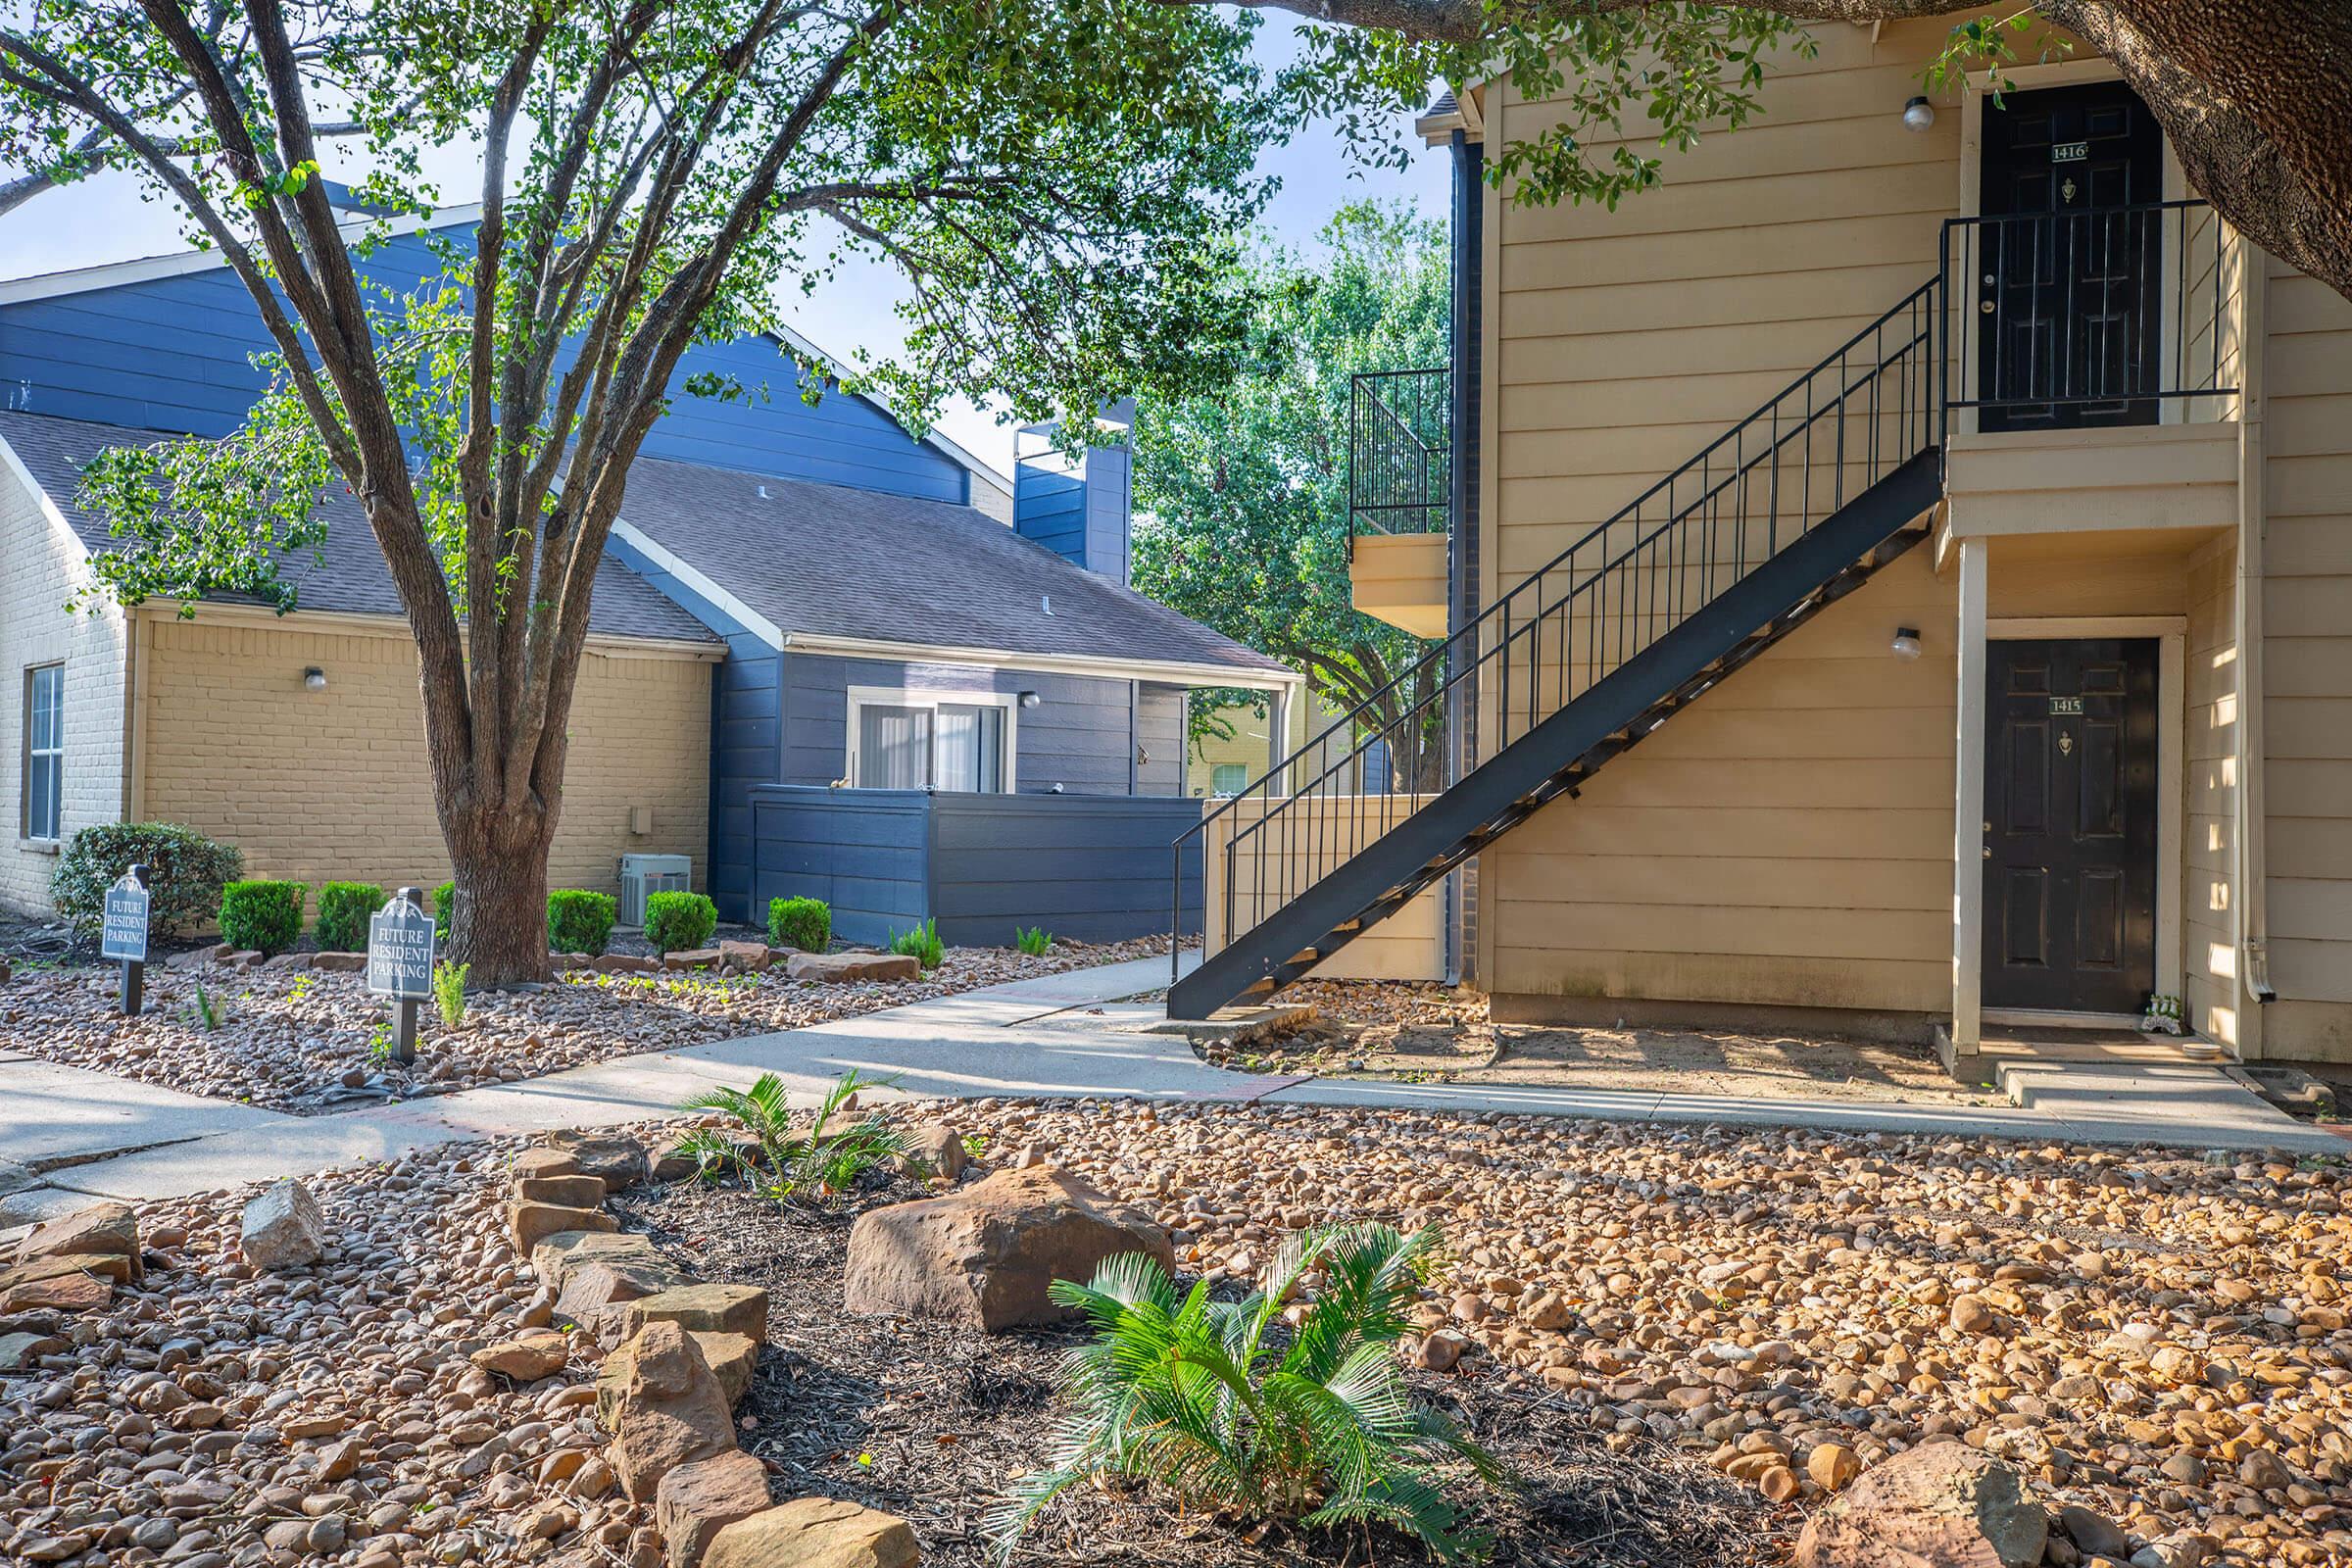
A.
pixel 400 951
pixel 122 938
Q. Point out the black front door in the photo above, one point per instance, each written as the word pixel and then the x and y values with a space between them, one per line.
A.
pixel 2069 308
pixel 2069 831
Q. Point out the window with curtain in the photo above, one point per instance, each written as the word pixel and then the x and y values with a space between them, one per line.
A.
pixel 946 745
pixel 44 751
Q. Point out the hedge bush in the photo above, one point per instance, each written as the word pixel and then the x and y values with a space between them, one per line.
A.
pixel 262 916
pixel 677 921
pixel 185 873
pixel 579 921
pixel 445 903
pixel 343 911
pixel 802 923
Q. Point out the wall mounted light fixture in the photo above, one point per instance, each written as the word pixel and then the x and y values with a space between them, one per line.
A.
pixel 1918 114
pixel 1029 698
pixel 1906 642
pixel 314 679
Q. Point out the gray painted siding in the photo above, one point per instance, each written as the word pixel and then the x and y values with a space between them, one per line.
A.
pixel 1110 502
pixel 170 354
pixel 1089 867
pixel 1077 736
pixel 1160 737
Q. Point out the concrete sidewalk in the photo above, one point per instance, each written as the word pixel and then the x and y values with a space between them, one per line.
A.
pixel 1074 1035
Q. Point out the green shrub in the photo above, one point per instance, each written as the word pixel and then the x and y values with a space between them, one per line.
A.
pixel 185 873
pixel 920 944
pixel 824 1160
pixel 444 904
pixel 1192 1395
pixel 1036 941
pixel 262 916
pixel 802 923
pixel 675 922
pixel 343 911
pixel 579 921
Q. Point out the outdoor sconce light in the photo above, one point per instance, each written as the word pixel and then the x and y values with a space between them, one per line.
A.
pixel 1029 698
pixel 1918 114
pixel 314 679
pixel 1906 642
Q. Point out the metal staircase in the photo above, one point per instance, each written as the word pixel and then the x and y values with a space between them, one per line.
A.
pixel 1784 513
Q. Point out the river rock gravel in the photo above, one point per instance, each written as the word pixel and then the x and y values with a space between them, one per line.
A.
pixel 2156 1344
pixel 313 1041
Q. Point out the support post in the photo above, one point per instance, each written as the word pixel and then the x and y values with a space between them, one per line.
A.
pixel 1967 820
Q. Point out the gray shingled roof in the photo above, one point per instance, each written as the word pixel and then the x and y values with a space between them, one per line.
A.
pixel 352 577
pixel 828 561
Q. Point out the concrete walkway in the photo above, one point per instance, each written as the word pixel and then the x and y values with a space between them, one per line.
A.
pixel 1072 1034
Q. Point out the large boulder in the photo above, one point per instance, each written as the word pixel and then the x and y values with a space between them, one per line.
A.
pixel 559 1257
pixel 939 1150
pixel 814 1533
pixel 696 1501
pixel 1940 1506
pixel 669 1410
pixel 283 1228
pixel 849 966
pixel 101 1230
pixel 731 1358
pixel 534 1223
pixel 986 1256
pixel 616 1156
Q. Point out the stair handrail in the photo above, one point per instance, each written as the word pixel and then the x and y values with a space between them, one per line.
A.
pixel 1925 305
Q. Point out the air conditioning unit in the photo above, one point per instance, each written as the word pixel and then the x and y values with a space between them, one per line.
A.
pixel 644 875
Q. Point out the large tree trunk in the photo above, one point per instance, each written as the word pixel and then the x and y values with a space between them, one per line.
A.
pixel 499 924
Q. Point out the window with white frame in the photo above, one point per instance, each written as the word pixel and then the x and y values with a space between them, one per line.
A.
pixel 44 751
pixel 939 740
pixel 1228 778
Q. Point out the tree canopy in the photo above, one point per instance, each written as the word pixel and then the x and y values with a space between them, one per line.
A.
pixel 1057 181
pixel 1242 493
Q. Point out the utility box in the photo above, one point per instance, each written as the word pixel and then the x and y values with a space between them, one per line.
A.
pixel 644 875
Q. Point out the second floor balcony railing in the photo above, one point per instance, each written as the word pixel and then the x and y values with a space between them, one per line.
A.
pixel 1399 451
pixel 2100 317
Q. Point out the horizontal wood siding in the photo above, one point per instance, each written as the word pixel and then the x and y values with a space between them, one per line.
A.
pixel 1077 736
pixel 2306 668
pixel 2209 825
pixel 172 354
pixel 867 853
pixel 1092 868
pixel 1088 867
pixel 1049 506
pixel 1787 838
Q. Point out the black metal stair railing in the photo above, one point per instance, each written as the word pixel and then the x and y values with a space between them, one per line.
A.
pixel 1865 411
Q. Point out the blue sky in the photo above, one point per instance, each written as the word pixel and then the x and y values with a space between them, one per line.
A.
pixel 104 219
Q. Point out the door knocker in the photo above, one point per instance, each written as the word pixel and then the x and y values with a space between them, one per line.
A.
pixel 2066 190
pixel 2065 744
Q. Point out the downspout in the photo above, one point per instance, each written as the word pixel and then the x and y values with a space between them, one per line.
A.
pixel 2254 963
pixel 1466 329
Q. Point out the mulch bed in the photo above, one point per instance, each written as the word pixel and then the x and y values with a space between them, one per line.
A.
pixel 930 1423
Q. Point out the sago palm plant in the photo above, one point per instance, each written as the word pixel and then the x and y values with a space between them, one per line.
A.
pixel 823 1159
pixel 1197 1396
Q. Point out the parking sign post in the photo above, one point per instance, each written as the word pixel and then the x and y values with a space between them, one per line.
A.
pixel 400 964
pixel 123 936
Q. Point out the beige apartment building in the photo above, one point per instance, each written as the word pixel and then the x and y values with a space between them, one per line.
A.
pixel 1899 581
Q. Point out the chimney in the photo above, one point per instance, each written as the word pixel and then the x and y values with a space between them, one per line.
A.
pixel 1077 502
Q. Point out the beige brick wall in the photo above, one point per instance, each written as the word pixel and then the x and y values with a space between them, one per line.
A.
pixel 41 564
pixel 319 786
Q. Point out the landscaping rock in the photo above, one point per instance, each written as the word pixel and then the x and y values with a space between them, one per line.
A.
pixel 625 963
pixel 54 1285
pixel 101 1230
pixel 578 1190
pixel 19 1351
pixel 749 957
pixel 556 1257
pixel 851 967
pixel 670 1412
pixel 941 1150
pixel 616 1156
pixel 731 1358
pixel 532 1223
pixel 703 1308
pixel 814 1533
pixel 543 1163
pixel 692 958
pixel 696 1501
pixel 339 963
pixel 526 1357
pixel 595 1291
pixel 985 1256
pixel 1940 1506
pixel 283 1228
